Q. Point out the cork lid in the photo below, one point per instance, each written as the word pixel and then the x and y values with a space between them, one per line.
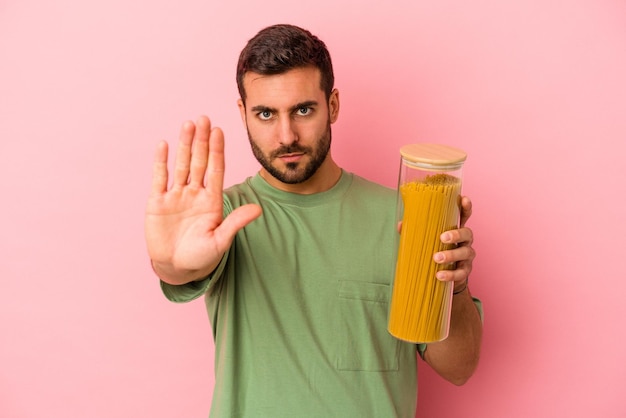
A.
pixel 433 155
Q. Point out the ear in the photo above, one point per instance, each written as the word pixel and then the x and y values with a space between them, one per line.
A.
pixel 242 110
pixel 333 105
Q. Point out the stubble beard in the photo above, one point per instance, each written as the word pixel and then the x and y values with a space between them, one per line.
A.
pixel 297 172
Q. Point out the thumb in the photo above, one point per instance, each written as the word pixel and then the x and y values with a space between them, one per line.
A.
pixel 235 221
pixel 466 210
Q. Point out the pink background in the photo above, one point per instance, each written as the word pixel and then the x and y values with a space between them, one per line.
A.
pixel 533 90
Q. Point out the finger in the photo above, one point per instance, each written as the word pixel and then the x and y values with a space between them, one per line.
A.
pixel 215 169
pixel 159 169
pixel 466 210
pixel 459 274
pixel 199 152
pixel 235 221
pixel 460 254
pixel 462 236
pixel 183 154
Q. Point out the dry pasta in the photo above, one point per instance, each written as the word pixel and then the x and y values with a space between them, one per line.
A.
pixel 420 304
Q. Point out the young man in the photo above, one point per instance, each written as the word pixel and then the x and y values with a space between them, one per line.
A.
pixel 296 263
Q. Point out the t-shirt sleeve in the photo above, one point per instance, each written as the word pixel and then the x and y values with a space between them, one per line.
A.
pixel 421 348
pixel 193 290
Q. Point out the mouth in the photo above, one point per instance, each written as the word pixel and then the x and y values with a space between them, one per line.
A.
pixel 291 157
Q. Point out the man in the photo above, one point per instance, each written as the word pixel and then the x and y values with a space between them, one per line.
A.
pixel 296 262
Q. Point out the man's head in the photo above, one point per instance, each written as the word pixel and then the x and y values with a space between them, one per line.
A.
pixel 280 48
pixel 287 105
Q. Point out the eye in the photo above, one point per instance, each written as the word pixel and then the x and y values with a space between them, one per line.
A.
pixel 303 111
pixel 264 115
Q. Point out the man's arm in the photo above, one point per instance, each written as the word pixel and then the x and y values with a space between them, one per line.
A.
pixel 456 358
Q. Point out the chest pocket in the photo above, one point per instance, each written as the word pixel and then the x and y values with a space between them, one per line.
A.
pixel 363 340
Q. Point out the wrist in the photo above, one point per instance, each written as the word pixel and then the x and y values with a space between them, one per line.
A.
pixel 460 288
pixel 167 273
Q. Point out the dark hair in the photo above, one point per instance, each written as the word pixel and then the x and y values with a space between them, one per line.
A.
pixel 280 48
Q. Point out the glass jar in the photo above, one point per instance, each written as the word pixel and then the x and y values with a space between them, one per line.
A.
pixel 429 197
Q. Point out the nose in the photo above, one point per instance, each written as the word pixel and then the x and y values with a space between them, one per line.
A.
pixel 286 133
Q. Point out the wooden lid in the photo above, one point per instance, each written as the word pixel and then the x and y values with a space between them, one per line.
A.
pixel 433 155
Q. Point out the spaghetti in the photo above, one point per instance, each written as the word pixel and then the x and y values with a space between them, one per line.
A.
pixel 421 304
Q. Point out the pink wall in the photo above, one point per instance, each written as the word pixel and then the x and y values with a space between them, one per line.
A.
pixel 534 90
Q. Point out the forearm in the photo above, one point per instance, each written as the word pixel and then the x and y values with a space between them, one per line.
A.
pixel 456 357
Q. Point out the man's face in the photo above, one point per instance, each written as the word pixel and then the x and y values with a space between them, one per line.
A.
pixel 288 121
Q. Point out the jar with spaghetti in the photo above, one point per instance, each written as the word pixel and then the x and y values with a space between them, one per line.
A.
pixel 429 194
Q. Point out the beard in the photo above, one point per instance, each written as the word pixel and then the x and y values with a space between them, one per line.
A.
pixel 297 172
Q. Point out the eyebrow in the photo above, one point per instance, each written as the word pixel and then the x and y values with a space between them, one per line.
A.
pixel 263 108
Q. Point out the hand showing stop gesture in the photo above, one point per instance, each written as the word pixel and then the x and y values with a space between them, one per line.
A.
pixel 186 232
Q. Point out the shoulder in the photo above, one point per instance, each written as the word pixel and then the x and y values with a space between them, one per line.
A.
pixel 363 185
pixel 367 196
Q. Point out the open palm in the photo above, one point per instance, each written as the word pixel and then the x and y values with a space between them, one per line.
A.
pixel 186 233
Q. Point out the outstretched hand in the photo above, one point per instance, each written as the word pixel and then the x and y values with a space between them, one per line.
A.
pixel 186 232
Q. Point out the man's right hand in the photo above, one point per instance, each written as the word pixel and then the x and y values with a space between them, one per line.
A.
pixel 186 232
